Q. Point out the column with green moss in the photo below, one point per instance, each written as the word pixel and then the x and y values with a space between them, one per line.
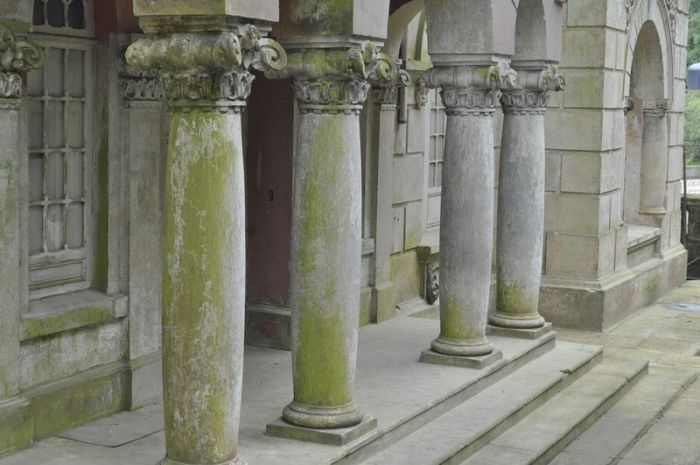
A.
pixel 331 86
pixel 470 95
pixel 520 229
pixel 206 86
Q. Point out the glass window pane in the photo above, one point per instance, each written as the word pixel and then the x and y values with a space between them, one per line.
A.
pixel 438 174
pixel 35 121
pixel 36 238
pixel 431 175
pixel 54 228
pixel 75 125
pixel 76 14
pixel 36 177
pixel 432 148
pixel 38 18
pixel 74 228
pixel 54 121
pixel 54 176
pixel 76 73
pixel 439 147
pixel 35 82
pixel 433 121
pixel 54 72
pixel 55 13
pixel 74 169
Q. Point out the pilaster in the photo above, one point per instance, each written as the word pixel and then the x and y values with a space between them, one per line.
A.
pixel 654 161
pixel 206 79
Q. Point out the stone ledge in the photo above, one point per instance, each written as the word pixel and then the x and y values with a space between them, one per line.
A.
pixel 56 314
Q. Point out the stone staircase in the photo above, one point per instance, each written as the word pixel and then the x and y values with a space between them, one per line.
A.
pixel 570 406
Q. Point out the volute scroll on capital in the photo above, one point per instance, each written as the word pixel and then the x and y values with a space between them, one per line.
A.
pixel 471 89
pixel 531 94
pixel 206 69
pixel 17 56
pixel 337 80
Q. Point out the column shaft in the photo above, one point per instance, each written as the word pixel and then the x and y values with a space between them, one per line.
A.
pixel 654 165
pixel 466 230
pixel 520 219
pixel 325 269
pixel 203 287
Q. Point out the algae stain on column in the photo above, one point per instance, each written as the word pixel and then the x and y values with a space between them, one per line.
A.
pixel 321 364
pixel 452 322
pixel 512 298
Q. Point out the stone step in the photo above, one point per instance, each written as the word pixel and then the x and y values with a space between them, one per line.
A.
pixel 537 439
pixel 614 434
pixel 465 428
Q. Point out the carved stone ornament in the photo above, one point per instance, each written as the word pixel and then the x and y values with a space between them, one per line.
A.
pixel 532 91
pixel 627 105
pixel 656 107
pixel 145 87
pixel 387 82
pixel 337 80
pixel 205 69
pixel 421 90
pixel 432 281
pixel 17 56
pixel 471 89
pixel 672 7
pixel 629 9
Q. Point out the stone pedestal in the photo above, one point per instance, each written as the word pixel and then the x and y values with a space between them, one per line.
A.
pixel 203 290
pixel 654 164
pixel 470 95
pixel 520 229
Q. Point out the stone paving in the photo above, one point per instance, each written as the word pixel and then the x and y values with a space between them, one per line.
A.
pixel 667 333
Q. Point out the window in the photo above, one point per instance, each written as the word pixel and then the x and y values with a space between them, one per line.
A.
pixel 437 123
pixel 60 160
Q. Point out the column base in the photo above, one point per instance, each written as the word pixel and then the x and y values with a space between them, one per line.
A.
pixel 236 461
pixel 504 320
pixel 309 416
pixel 521 333
pixel 461 348
pixel 332 437
pixel 463 361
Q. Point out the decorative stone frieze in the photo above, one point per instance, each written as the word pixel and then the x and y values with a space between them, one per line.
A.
pixel 17 56
pixel 209 69
pixel 532 91
pixel 467 89
pixel 142 87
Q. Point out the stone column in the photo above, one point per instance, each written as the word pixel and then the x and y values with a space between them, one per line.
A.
pixel 331 86
pixel 16 57
pixel 654 165
pixel 520 228
pixel 470 95
pixel 206 85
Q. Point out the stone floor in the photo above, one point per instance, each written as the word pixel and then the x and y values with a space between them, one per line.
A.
pixel 666 333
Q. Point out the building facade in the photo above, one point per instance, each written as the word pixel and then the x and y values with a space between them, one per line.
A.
pixel 516 163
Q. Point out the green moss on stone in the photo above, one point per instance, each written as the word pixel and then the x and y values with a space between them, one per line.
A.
pixel 324 16
pixel 57 322
pixel 452 324
pixel 101 262
pixel 16 426
pixel 512 299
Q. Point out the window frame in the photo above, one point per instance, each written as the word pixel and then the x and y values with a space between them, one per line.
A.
pixel 85 254
pixel 434 104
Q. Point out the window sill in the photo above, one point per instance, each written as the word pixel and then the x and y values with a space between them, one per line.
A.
pixel 56 314
pixel 638 236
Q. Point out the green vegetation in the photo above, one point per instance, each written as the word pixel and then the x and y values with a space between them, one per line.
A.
pixel 692 102
pixel 694 32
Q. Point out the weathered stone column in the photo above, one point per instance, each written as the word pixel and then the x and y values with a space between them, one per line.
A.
pixel 16 57
pixel 470 95
pixel 654 166
pixel 206 84
pixel 520 228
pixel 331 86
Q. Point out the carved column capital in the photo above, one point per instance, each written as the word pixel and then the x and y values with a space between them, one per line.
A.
pixel 655 107
pixel 471 89
pixel 531 94
pixel 336 80
pixel 386 79
pixel 17 56
pixel 205 69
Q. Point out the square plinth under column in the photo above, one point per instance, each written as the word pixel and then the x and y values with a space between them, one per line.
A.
pixel 534 333
pixel 331 437
pixel 477 362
